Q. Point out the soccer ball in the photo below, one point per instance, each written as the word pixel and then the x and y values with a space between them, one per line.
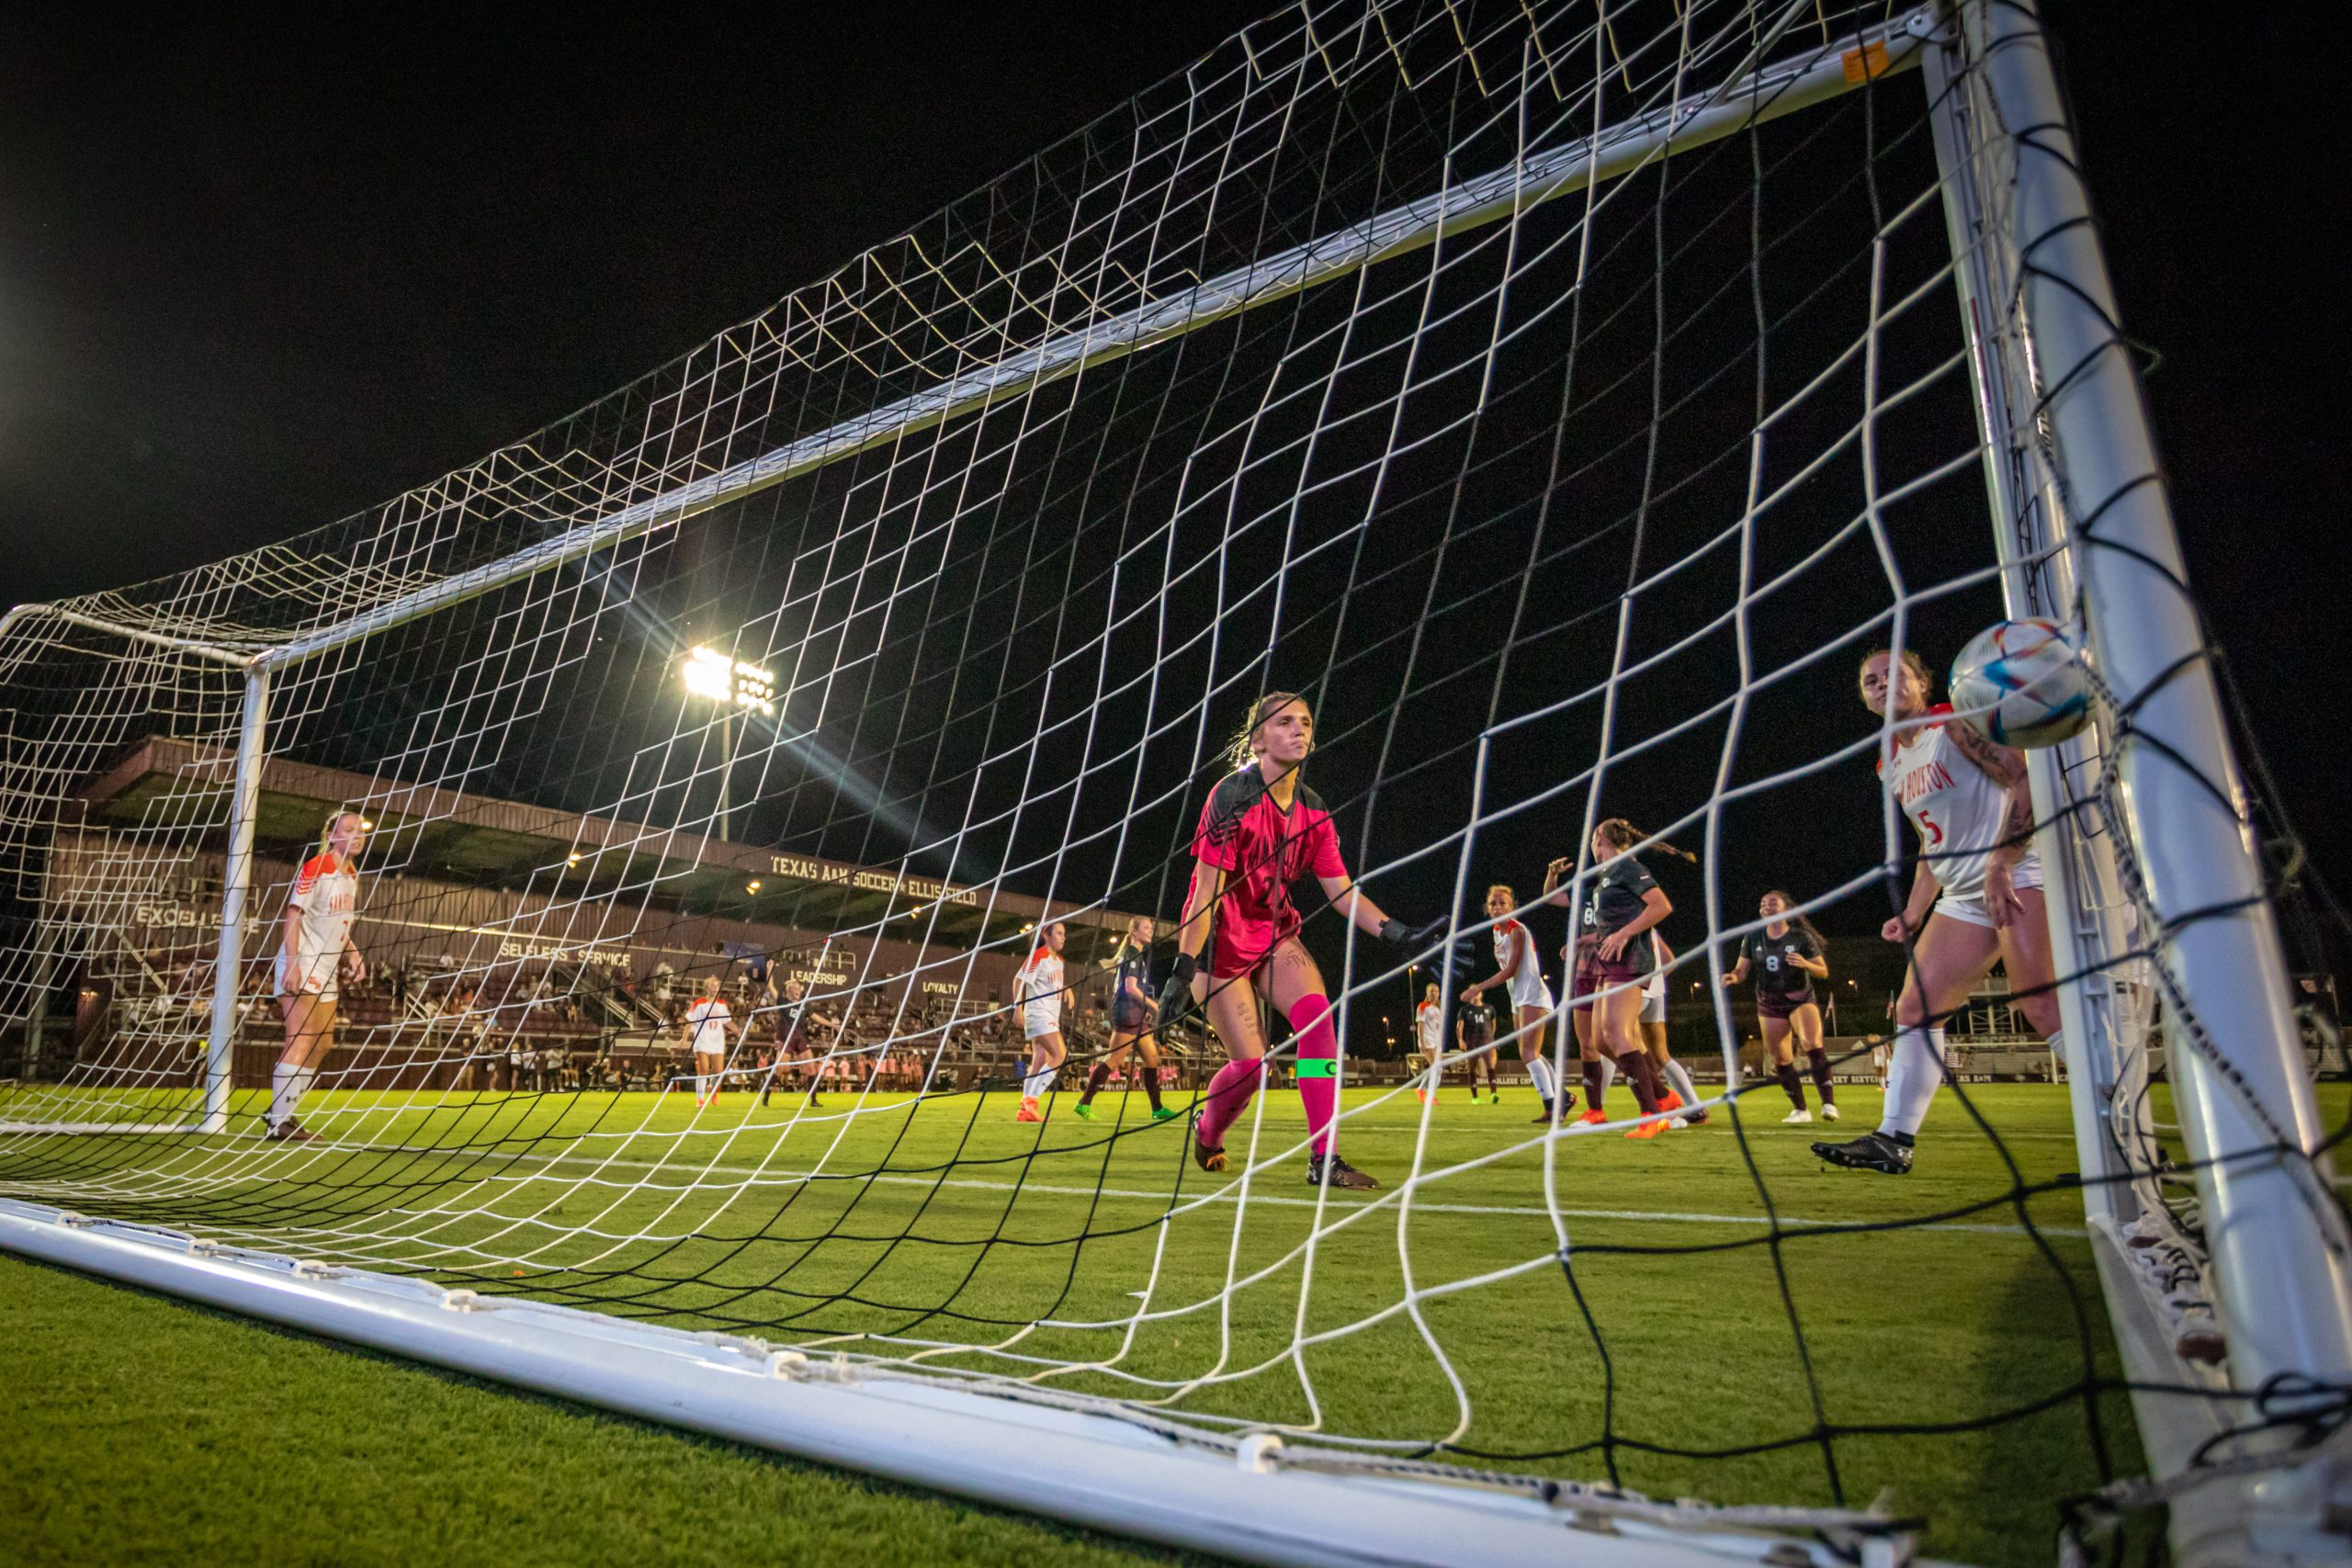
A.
pixel 2022 684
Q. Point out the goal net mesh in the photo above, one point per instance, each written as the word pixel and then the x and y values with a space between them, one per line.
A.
pixel 1563 399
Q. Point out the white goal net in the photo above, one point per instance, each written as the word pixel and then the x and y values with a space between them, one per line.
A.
pixel 1564 401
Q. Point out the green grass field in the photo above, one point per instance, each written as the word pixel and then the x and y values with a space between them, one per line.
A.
pixel 954 1224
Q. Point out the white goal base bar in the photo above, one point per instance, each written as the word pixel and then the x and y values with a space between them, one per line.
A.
pixel 37 1129
pixel 1250 1497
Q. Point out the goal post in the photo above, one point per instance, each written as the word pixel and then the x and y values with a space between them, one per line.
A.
pixel 2084 525
pixel 1340 393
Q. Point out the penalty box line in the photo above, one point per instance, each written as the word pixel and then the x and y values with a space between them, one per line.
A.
pixel 1230 1193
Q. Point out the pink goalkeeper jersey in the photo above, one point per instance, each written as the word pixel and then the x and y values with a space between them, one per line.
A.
pixel 1262 848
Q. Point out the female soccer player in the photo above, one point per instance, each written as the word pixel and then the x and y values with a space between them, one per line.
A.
pixel 1676 1089
pixel 705 1033
pixel 1040 988
pixel 1531 1000
pixel 1260 831
pixel 1612 956
pixel 314 956
pixel 1786 958
pixel 1975 896
pixel 1474 1031
pixel 792 1054
pixel 1133 1008
pixel 1428 1030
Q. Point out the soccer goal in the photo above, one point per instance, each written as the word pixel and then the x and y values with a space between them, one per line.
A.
pixel 681 914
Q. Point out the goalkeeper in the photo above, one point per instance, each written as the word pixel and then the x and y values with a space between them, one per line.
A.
pixel 1260 831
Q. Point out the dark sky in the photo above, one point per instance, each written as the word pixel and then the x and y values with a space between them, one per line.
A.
pixel 255 275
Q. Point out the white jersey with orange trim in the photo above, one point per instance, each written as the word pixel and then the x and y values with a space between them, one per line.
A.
pixel 1527 987
pixel 707 1023
pixel 326 901
pixel 1430 1019
pixel 1958 811
pixel 1039 987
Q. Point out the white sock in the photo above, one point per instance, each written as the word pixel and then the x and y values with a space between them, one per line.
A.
pixel 1037 1083
pixel 287 1085
pixel 1912 1079
pixel 1547 1085
pixel 1679 1076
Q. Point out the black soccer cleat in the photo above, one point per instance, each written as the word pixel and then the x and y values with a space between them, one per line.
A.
pixel 1330 1170
pixel 287 1132
pixel 1871 1151
pixel 1207 1158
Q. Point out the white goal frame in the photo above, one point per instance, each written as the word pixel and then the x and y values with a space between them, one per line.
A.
pixel 2081 515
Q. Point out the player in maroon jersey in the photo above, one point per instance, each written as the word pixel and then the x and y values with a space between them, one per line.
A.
pixel 1613 959
pixel 1260 831
pixel 1785 958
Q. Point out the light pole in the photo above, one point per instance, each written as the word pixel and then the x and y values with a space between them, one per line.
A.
pixel 737 687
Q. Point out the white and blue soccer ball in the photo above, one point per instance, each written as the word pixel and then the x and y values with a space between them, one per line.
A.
pixel 2022 684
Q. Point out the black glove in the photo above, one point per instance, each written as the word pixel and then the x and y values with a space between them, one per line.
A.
pixel 1176 996
pixel 1397 934
pixel 1458 959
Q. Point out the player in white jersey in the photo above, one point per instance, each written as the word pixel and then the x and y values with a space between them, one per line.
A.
pixel 1975 896
pixel 1674 1079
pixel 1040 989
pixel 314 957
pixel 705 1034
pixel 1429 1031
pixel 1531 1000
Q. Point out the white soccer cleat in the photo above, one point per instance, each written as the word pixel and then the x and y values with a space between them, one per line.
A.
pixel 1829 1113
pixel 1797 1118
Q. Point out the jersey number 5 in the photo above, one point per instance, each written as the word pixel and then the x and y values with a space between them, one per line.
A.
pixel 1934 834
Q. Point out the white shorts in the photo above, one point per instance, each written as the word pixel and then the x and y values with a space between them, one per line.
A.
pixel 1033 1024
pixel 1654 1000
pixel 1531 994
pixel 1968 903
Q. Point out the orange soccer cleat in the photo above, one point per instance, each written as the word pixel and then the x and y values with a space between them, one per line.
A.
pixel 1646 1130
pixel 1028 1112
pixel 1592 1118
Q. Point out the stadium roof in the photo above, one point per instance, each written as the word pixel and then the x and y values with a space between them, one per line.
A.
pixel 166 783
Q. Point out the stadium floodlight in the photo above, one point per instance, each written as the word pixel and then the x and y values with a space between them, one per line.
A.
pixel 740 688
pixel 1033 592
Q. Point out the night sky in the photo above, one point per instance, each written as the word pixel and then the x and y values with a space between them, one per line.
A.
pixel 257 275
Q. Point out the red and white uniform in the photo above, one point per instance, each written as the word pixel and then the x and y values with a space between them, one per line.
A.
pixel 327 900
pixel 707 1023
pixel 1527 987
pixel 1040 988
pixel 1654 993
pixel 1262 848
pixel 1957 810
pixel 1430 1019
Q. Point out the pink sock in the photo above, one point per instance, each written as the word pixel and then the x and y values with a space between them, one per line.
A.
pixel 1229 1095
pixel 1318 1066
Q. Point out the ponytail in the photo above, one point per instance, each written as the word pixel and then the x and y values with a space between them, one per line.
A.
pixel 1621 836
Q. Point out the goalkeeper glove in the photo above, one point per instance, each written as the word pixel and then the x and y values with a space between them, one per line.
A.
pixel 1176 996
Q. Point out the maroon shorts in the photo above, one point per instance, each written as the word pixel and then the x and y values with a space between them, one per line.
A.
pixel 1595 974
pixel 1782 1007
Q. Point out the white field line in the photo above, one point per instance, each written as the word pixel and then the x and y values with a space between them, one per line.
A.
pixel 774 1178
